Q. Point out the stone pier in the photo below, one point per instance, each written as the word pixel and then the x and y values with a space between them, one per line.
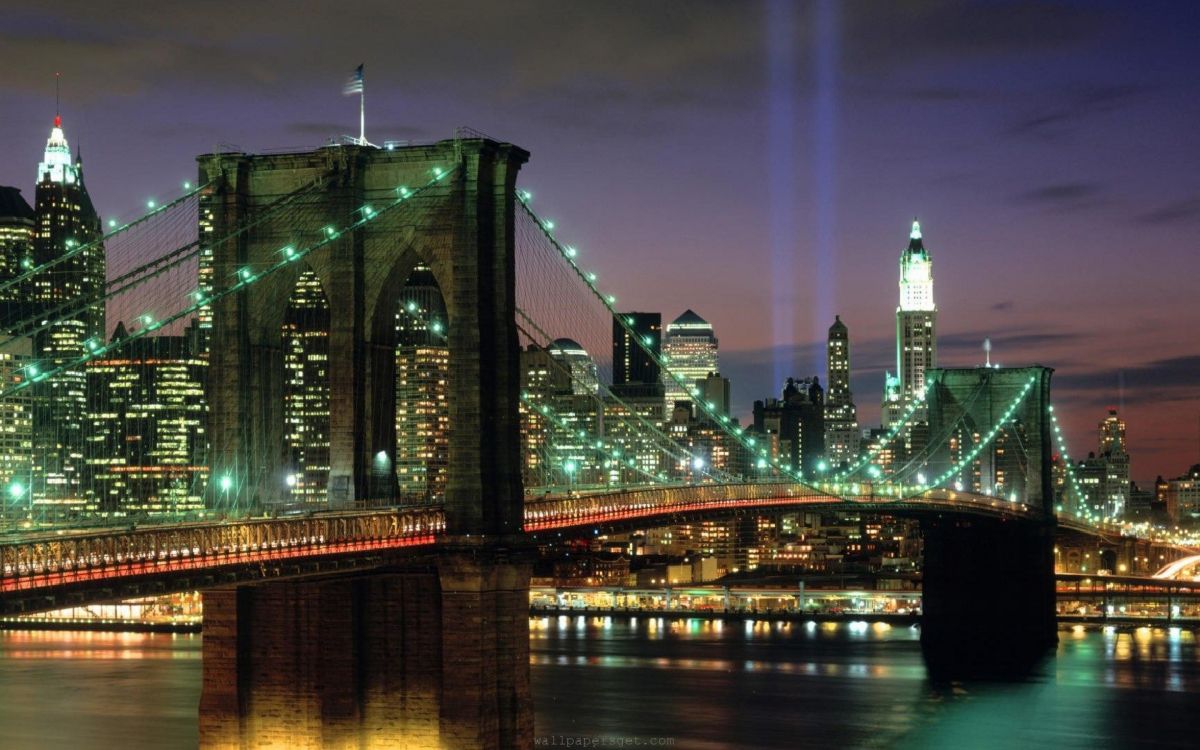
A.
pixel 437 658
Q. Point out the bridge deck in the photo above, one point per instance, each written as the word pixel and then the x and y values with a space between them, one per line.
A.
pixel 66 568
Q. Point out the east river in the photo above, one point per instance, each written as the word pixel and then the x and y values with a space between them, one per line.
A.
pixel 694 683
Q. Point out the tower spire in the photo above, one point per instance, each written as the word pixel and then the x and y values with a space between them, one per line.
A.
pixel 57 92
pixel 915 234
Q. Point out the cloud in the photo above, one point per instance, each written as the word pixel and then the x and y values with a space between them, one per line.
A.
pixel 1173 212
pixel 948 29
pixel 1005 306
pixel 1157 381
pixel 1063 196
pixel 1013 341
pixel 1080 106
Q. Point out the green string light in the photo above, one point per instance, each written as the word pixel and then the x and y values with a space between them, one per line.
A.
pixel 609 301
pixel 245 278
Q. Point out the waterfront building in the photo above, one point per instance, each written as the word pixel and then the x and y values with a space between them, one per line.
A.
pixel 1182 497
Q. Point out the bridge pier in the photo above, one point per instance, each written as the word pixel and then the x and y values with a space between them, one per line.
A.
pixel 422 658
pixel 988 600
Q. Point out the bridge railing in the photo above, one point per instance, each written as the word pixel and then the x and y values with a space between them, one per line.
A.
pixel 560 511
pixel 68 558
pixel 564 512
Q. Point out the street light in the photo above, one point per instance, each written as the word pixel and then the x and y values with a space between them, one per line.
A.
pixel 569 467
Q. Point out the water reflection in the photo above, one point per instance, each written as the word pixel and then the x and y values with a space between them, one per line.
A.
pixel 706 683
pixel 766 684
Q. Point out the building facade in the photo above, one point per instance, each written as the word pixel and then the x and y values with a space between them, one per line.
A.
pixel 916 318
pixel 797 422
pixel 842 436
pixel 1115 489
pixel 67 235
pixel 17 232
pixel 305 340
pixel 631 364
pixel 147 417
pixel 690 352
pixel 422 388
pixel 16 427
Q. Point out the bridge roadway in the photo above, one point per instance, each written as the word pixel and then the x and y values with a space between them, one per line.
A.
pixel 52 570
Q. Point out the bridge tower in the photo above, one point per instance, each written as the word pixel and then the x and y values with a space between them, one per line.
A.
pixel 435 650
pixel 988 585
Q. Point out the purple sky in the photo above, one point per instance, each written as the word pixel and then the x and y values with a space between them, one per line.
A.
pixel 759 163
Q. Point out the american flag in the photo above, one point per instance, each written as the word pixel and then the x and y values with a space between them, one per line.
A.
pixel 355 84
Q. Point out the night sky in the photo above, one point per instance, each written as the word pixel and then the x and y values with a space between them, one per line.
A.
pixel 760 163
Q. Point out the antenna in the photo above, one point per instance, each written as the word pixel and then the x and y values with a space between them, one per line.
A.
pixel 57 89
pixel 987 351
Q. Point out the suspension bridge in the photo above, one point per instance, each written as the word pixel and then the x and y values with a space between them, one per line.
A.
pixel 294 493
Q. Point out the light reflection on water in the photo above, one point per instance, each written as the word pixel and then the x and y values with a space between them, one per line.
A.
pixel 707 683
pixel 767 684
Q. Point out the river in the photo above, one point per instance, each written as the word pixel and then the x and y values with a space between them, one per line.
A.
pixel 695 683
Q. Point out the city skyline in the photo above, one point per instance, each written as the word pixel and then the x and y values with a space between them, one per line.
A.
pixel 1112 332
pixel 828 362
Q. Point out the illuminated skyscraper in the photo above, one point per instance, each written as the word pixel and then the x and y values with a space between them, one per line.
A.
pixel 1112 433
pixel 841 417
pixel 1114 487
pixel 306 390
pixel 422 374
pixel 542 379
pixel 17 230
pixel 916 318
pixel 690 350
pixel 16 424
pixel 204 269
pixel 67 225
pixel 146 441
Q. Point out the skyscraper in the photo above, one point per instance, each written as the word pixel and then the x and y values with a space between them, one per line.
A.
pixel 797 421
pixel 690 351
pixel 585 377
pixel 841 417
pixel 16 423
pixel 632 366
pixel 422 373
pixel 146 441
pixel 1114 487
pixel 306 390
pixel 17 231
pixel 67 225
pixel 916 318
